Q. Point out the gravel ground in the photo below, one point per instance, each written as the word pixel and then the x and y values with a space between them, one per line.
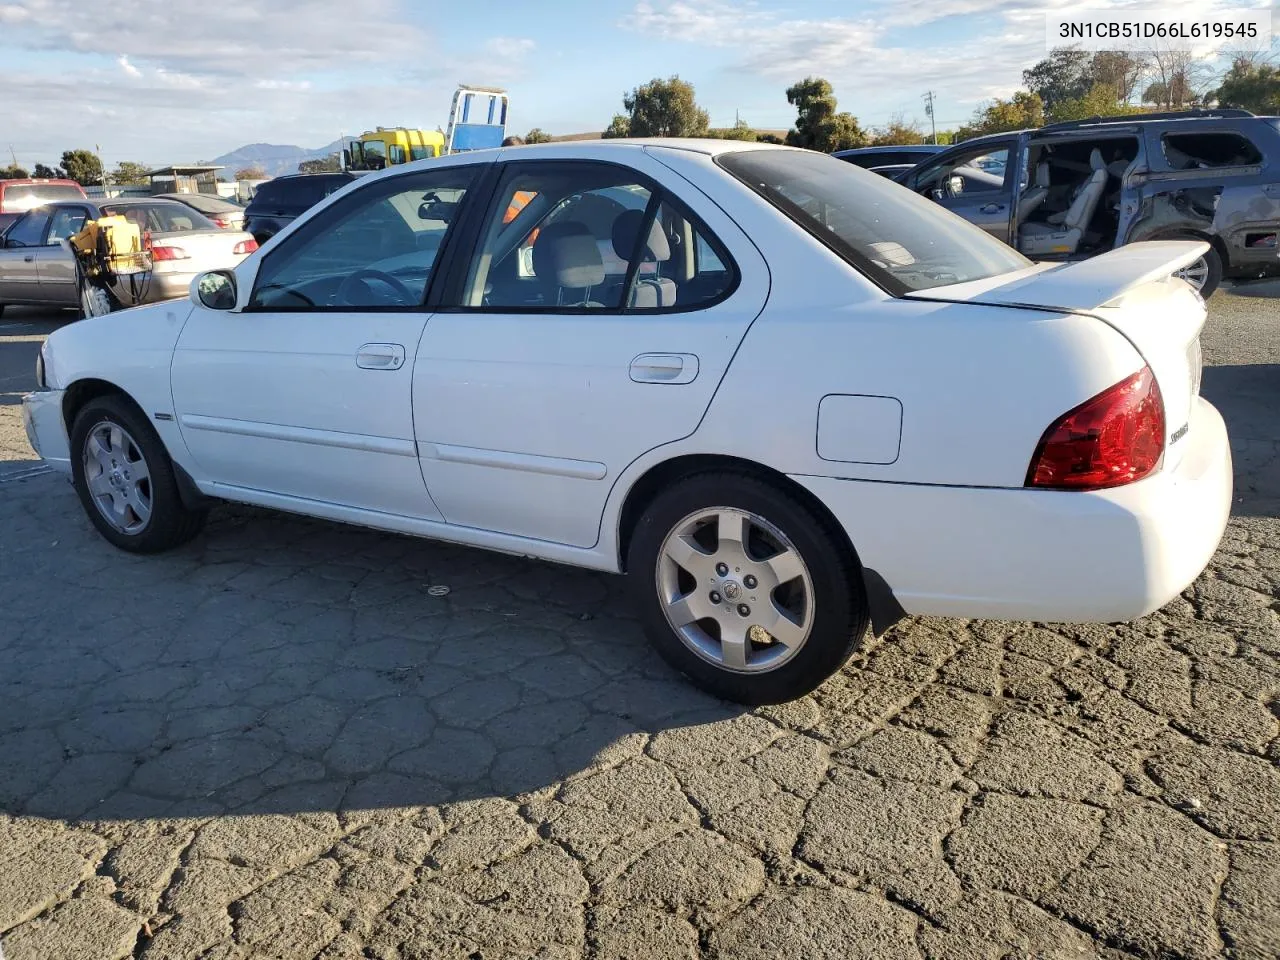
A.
pixel 277 742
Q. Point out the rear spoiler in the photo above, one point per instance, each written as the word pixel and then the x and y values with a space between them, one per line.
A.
pixel 1081 286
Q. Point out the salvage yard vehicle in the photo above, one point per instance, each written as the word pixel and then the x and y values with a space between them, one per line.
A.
pixel 37 267
pixel 1075 189
pixel 796 400
pixel 223 213
pixel 279 201
pixel 19 196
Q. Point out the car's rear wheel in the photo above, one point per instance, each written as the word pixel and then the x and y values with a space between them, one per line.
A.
pixel 742 588
pixel 125 480
pixel 1205 273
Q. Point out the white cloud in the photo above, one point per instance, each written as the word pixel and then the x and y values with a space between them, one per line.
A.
pixel 128 67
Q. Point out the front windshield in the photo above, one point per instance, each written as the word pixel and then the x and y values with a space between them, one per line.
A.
pixel 900 240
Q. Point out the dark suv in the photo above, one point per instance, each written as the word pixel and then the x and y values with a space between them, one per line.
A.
pixel 280 200
pixel 1073 190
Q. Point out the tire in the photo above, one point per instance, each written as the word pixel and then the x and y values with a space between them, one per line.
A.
pixel 1209 267
pixel 821 630
pixel 167 523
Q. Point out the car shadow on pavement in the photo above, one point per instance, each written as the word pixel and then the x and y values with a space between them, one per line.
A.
pixel 283 665
pixel 1248 396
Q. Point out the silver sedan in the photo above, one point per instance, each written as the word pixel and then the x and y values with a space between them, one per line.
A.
pixel 38 268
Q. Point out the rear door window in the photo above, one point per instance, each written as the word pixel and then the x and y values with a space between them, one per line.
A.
pixel 1208 151
pixel 67 222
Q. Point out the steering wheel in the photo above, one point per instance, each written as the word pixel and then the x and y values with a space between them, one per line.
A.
pixel 360 276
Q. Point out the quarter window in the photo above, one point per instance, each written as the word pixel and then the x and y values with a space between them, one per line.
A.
pixel 592 237
pixel 1205 151
pixel 375 249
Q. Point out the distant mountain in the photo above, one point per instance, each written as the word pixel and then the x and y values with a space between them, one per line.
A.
pixel 275 159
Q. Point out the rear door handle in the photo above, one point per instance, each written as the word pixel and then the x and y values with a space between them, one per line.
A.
pixel 664 368
pixel 28 259
pixel 380 356
pixel 991 208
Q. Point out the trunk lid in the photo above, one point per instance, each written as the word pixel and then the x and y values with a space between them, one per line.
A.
pixel 1135 291
pixel 207 249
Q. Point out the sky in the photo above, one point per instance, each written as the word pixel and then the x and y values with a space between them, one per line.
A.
pixel 179 81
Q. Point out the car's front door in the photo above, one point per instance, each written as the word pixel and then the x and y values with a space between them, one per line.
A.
pixel 977 183
pixel 19 274
pixel 55 262
pixel 304 393
pixel 592 322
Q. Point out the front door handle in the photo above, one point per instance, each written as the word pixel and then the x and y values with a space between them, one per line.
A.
pixel 29 258
pixel 991 208
pixel 664 368
pixel 380 356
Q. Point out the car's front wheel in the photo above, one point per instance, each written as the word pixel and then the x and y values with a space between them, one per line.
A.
pixel 744 589
pixel 125 479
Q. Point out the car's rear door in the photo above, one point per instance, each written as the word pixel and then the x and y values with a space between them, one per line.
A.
pixel 542 377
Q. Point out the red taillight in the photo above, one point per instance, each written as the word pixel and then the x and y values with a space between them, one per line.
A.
pixel 169 253
pixel 1115 438
pixel 219 222
pixel 245 246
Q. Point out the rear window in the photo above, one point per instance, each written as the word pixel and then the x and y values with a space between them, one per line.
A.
pixel 1204 151
pixel 24 195
pixel 900 240
pixel 299 192
pixel 162 218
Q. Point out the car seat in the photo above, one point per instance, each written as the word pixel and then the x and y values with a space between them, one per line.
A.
pixel 649 291
pixel 1034 196
pixel 567 262
pixel 1036 239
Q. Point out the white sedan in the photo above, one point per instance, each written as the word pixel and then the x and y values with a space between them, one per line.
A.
pixel 788 398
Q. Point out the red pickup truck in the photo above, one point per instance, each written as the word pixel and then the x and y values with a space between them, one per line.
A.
pixel 19 196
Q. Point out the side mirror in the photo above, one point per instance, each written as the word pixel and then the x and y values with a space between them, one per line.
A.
pixel 215 289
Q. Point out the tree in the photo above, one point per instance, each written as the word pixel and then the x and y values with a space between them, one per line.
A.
pixel 664 108
pixel 1102 100
pixel 897 132
pixel 128 172
pixel 1178 79
pixel 1251 86
pixel 42 172
pixel 1120 70
pixel 82 166
pixel 818 125
pixel 537 135
pixel 619 127
pixel 251 173
pixel 13 172
pixel 330 164
pixel 1063 75
pixel 769 138
pixel 1020 112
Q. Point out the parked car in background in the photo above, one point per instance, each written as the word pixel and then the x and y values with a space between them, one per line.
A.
pixel 279 201
pixel 883 156
pixel 1072 190
pixel 523 393
pixel 19 196
pixel 38 268
pixel 223 213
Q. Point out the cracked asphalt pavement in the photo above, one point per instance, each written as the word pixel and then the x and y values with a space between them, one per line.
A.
pixel 280 742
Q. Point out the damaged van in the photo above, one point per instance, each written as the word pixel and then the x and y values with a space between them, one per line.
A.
pixel 1071 190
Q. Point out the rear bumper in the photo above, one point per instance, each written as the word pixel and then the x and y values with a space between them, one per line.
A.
pixel 1017 554
pixel 42 419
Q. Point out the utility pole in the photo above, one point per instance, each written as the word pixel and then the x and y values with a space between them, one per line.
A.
pixel 928 109
pixel 13 155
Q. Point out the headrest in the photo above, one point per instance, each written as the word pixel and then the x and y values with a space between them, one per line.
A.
pixel 625 230
pixel 1042 174
pixel 567 253
pixel 1095 159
